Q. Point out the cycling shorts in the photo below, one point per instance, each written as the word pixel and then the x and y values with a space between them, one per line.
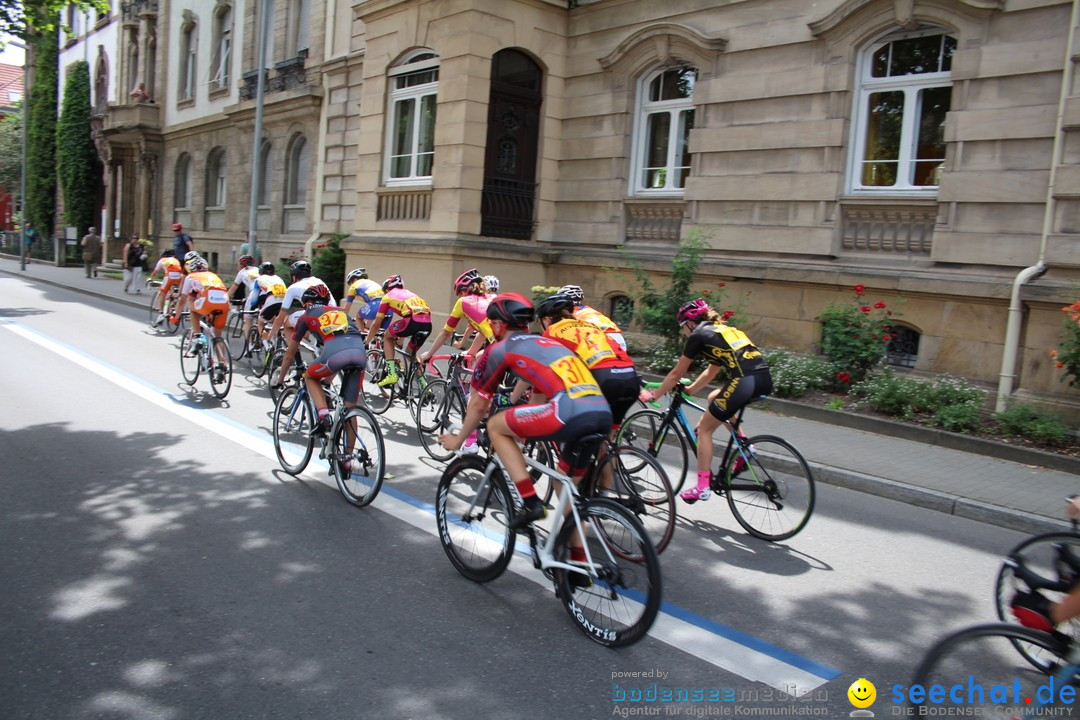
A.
pixel 561 419
pixel 214 301
pixel 172 280
pixel 337 354
pixel 369 311
pixel 621 387
pixel 418 327
pixel 269 312
pixel 737 392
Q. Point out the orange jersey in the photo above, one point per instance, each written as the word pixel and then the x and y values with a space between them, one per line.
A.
pixel 589 343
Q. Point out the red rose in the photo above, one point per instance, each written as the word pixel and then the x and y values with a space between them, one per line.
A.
pixel 879 305
pixel 865 308
pixel 859 289
pixel 843 376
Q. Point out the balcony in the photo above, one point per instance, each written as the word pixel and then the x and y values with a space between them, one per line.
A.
pixel 125 118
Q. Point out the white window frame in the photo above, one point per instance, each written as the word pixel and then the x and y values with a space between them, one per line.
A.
pixel 911 86
pixel 223 25
pixel 217 179
pixel 416 94
pixel 188 61
pixel 643 109
pixel 182 195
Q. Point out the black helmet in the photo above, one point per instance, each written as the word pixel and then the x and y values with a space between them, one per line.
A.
pixel 300 269
pixel 267 268
pixel 554 305
pixel 168 252
pixel 317 295
pixel 513 309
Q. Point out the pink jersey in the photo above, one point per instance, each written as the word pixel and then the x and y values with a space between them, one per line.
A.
pixel 405 303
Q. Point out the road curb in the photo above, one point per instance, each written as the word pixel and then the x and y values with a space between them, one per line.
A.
pixel 99 295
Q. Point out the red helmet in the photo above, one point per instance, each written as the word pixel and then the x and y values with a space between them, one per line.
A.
pixel 245 260
pixel 316 295
pixel 394 281
pixel 466 279
pixel 177 227
pixel 513 309
pixel 692 311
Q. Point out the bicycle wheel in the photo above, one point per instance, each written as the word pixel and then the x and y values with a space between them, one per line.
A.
pixel 547 454
pixel 440 410
pixel 272 369
pixel 189 365
pixel 378 399
pixel 153 313
pixel 358 456
pixel 1054 556
pixel 235 336
pixel 635 480
pixel 414 384
pixel 640 430
pixel 294 417
pixel 221 369
pixel 992 681
pixel 259 358
pixel 472 511
pixel 772 498
pixel 620 603
pixel 170 305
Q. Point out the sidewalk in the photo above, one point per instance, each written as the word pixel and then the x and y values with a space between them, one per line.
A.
pixel 1019 493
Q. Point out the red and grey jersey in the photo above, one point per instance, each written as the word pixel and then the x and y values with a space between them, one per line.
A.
pixel 326 322
pixel 544 363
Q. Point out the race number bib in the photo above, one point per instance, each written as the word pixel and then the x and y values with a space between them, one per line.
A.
pixel 417 305
pixel 278 291
pixel 174 276
pixel 575 376
pixel 333 322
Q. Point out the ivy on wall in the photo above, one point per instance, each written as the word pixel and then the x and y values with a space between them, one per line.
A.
pixel 41 135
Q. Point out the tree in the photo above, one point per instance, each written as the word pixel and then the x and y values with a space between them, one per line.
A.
pixel 41 135
pixel 11 153
pixel 75 153
pixel 40 15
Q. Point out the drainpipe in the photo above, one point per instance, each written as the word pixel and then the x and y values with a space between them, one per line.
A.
pixel 1016 308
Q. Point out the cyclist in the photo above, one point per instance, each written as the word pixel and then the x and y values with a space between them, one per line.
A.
pixel 1034 610
pixel 415 322
pixel 171 275
pixel 209 300
pixel 368 291
pixel 341 344
pixel 592 315
pixel 246 275
pixel 472 304
pixel 269 291
pixel 724 348
pixel 574 404
pixel 291 306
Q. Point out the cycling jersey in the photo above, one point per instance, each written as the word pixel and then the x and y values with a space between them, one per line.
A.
pixel 169 267
pixel 342 344
pixel 405 303
pixel 247 277
pixel 602 321
pixel 209 295
pixel 591 344
pixel 325 322
pixel 293 294
pixel 474 309
pixel 269 290
pixel 727 347
pixel 368 292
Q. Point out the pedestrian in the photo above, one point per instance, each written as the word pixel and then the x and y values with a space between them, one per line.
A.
pixel 182 242
pixel 134 261
pixel 31 236
pixel 139 94
pixel 91 251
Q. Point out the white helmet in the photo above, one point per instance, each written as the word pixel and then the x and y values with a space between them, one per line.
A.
pixel 492 283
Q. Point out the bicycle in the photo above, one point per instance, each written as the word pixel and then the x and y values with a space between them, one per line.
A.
pixel 774 497
pixel 613 595
pixel 207 348
pixel 242 344
pixel 354 445
pixel 168 307
pixel 440 407
pixel 411 377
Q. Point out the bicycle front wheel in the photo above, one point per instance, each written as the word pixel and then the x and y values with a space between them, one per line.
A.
pixel 170 305
pixel 472 511
pixel 642 430
pixel 983 656
pixel 439 410
pixel 272 370
pixel 378 399
pixel 1054 556
pixel 614 601
pixel 221 369
pixel 153 312
pixel 235 336
pixel 358 457
pixel 294 418
pixel 189 364
pixel 772 497
pixel 636 481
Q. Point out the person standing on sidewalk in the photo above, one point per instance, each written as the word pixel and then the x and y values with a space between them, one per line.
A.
pixel 134 256
pixel 91 251
pixel 31 236
pixel 182 242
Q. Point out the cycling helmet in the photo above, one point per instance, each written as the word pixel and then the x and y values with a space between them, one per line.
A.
pixel 167 252
pixel 177 227
pixel 196 264
pixel 245 260
pixel 191 256
pixel 492 283
pixel 300 269
pixel 694 310
pixel 267 268
pixel 575 292
pixel 465 279
pixel 512 309
pixel 357 274
pixel 316 295
pixel 394 281
pixel 554 305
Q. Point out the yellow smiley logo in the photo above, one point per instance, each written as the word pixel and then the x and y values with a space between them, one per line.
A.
pixel 862 693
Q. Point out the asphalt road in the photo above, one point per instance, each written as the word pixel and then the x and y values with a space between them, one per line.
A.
pixel 160 565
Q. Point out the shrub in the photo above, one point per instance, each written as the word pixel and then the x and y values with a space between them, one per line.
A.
pixel 328 263
pixel 1067 357
pixel 539 292
pixel 795 375
pixel 854 336
pixel 1020 420
pixel 951 403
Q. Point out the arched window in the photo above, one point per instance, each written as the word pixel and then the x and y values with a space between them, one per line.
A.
pixel 221 61
pixel 903 349
pixel 266 171
pixel 182 191
pixel 904 93
pixel 663 120
pixel 296 174
pixel 296 41
pixel 621 310
pixel 216 179
pixel 188 66
pixel 410 141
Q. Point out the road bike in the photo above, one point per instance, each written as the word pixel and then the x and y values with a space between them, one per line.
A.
pixel 353 446
pixel 440 407
pixel 242 344
pixel 168 307
pixel 611 590
pixel 768 484
pixel 411 377
pixel 204 353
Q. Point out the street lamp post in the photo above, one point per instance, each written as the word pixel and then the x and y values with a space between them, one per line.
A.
pixel 22 175
pixel 256 152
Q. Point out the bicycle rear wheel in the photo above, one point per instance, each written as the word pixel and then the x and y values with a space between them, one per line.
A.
pixel 190 365
pixel 772 498
pixel 472 511
pixel 1054 556
pixel 154 313
pixel 235 336
pixel 170 305
pixel 635 480
pixel 618 606
pixel 440 410
pixel 294 418
pixel 547 454
pixel 983 656
pixel 377 399
pixel 221 368
pixel 358 456
pixel 259 358
pixel 414 384
pixel 272 369
pixel 641 430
